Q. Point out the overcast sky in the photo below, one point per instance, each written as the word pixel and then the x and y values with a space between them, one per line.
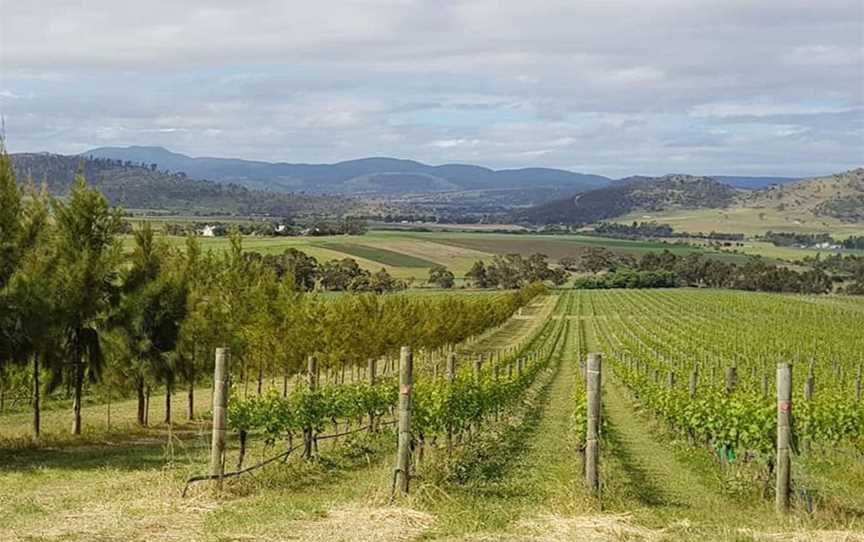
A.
pixel 750 87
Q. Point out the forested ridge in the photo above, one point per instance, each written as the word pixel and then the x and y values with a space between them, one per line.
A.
pixel 145 186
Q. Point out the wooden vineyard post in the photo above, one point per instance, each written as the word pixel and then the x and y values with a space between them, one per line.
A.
pixel 592 446
pixel 497 375
pixel 478 368
pixel 809 388
pixel 220 414
pixel 403 456
pixel 784 412
pixel 312 375
pixel 858 385
pixel 694 381
pixel 731 379
pixel 451 375
pixel 670 380
pixel 371 369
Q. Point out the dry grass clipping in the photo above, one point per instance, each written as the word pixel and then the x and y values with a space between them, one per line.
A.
pixel 361 524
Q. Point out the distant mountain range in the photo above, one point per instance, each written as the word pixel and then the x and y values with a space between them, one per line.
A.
pixel 380 177
pixel 363 177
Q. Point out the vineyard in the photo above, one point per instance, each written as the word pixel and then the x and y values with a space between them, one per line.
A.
pixel 463 415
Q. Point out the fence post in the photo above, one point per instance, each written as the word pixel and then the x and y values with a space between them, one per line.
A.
pixel 784 411
pixel 809 384
pixel 592 446
pixel 312 379
pixel 220 414
pixel 731 379
pixel 403 457
pixel 451 375
pixel 670 380
pixel 858 385
pixel 694 381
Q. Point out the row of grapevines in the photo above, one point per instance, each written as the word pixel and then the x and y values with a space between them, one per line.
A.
pixel 307 409
pixel 648 335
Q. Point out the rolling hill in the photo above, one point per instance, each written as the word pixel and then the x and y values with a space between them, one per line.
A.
pixel 822 204
pixel 139 187
pixel 371 176
pixel 631 194
pixel 839 196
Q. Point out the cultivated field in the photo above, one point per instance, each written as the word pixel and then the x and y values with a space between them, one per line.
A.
pixel 676 462
pixel 407 255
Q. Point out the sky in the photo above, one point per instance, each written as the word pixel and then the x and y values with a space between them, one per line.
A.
pixel 612 87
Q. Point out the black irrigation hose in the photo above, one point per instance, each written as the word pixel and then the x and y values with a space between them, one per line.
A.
pixel 282 455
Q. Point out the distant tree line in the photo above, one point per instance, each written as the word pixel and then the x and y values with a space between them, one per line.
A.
pixel 271 228
pixel 641 230
pixel 791 239
pixel 855 242
pixel 628 278
pixel 514 271
pixel 693 269
pixel 848 268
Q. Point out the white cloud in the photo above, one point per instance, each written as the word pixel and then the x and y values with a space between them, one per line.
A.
pixel 607 87
pixel 731 109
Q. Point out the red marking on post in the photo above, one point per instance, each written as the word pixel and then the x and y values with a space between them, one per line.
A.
pixel 406 390
pixel 785 406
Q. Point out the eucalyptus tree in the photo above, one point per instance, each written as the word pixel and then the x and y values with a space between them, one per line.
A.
pixel 88 259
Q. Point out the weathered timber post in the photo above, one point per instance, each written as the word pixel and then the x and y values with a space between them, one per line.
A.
pixel 497 376
pixel 670 380
pixel 809 389
pixel 809 384
pixel 403 457
pixel 858 385
pixel 694 381
pixel 731 379
pixel 312 375
pixel 592 446
pixel 220 414
pixel 478 379
pixel 451 375
pixel 371 367
pixel 784 412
